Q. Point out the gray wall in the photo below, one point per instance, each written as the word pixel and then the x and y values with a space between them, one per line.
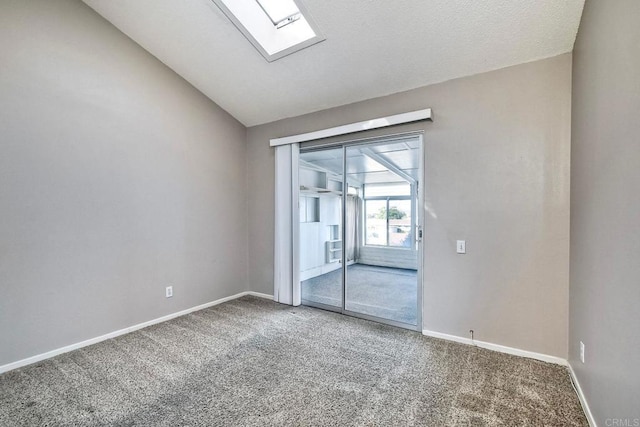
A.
pixel 117 178
pixel 605 209
pixel 497 175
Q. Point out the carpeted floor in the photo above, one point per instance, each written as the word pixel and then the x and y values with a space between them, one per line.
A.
pixel 252 362
pixel 388 293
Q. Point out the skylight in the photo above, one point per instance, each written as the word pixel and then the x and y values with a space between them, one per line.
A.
pixel 281 12
pixel 276 28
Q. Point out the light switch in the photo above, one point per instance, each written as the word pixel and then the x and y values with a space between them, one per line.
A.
pixel 461 247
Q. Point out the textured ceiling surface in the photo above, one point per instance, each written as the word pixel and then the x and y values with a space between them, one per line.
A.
pixel 372 48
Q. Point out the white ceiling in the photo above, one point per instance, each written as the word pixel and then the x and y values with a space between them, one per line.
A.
pixel 372 48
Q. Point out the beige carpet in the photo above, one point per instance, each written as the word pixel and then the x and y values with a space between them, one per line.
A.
pixel 252 362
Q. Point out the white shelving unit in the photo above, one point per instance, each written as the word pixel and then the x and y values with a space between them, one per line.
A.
pixel 333 250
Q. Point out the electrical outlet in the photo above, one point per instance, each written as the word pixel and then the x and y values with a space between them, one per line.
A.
pixel 581 351
pixel 169 291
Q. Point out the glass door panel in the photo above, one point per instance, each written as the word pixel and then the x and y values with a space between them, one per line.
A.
pixel 320 203
pixel 381 270
pixel 358 211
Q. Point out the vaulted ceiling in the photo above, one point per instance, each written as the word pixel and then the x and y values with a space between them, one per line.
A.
pixel 372 48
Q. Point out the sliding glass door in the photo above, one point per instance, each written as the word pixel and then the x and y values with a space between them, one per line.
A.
pixel 320 201
pixel 359 229
pixel 382 280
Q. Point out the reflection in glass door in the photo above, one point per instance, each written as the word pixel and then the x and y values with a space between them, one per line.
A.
pixel 368 268
pixel 320 200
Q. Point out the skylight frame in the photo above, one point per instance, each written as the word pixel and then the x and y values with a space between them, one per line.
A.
pixel 270 57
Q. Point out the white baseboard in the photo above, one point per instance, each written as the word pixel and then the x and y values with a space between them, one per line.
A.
pixel 498 347
pixel 582 398
pixel 259 295
pixel 68 348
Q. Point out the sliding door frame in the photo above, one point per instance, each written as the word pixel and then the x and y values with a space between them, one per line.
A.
pixel 417 232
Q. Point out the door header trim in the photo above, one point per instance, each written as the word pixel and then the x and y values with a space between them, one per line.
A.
pixel 381 122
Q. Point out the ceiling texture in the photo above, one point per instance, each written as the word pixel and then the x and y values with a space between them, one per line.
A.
pixel 372 48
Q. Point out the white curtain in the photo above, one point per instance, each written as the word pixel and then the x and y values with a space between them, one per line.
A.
pixel 286 265
pixel 352 230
